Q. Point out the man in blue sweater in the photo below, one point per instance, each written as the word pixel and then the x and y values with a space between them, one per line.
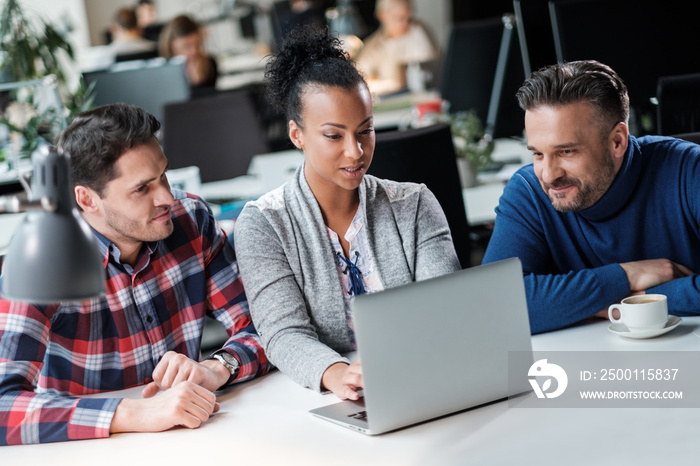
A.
pixel 600 214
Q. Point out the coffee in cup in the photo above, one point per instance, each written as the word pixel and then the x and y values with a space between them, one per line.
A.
pixel 640 313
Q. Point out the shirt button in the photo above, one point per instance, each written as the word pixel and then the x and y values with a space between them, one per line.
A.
pixel 149 319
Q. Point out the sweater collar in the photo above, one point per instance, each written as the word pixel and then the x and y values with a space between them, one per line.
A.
pixel 622 188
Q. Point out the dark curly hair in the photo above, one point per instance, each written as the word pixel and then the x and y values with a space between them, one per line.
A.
pixel 307 57
pixel 578 81
pixel 96 139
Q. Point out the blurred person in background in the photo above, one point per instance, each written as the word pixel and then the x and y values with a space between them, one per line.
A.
pixel 126 34
pixel 183 36
pixel 303 12
pixel 147 19
pixel 399 41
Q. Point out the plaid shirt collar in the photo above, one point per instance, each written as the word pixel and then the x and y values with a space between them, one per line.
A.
pixel 108 248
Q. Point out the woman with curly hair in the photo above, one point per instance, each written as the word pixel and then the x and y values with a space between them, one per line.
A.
pixel 333 232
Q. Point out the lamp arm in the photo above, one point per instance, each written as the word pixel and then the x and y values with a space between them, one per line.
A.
pixel 11 204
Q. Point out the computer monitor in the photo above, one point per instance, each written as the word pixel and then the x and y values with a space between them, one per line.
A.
pixel 470 65
pixel 641 41
pixel 480 54
pixel 534 29
pixel 147 84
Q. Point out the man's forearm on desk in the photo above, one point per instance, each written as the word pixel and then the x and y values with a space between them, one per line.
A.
pixel 555 301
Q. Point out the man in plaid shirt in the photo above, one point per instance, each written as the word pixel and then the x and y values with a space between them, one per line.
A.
pixel 167 265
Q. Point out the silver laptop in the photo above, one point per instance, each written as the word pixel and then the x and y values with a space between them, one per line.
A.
pixel 436 347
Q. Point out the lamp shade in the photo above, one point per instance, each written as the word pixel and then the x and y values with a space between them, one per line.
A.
pixel 53 256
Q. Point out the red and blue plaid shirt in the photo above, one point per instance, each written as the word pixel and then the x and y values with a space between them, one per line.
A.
pixel 51 355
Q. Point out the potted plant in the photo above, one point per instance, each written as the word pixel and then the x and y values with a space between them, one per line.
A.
pixel 30 49
pixel 472 149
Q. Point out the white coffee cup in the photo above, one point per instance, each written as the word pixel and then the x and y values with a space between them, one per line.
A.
pixel 643 312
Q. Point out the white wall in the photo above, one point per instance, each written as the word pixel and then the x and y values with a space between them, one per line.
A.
pixel 100 15
pixel 55 10
pixel 437 16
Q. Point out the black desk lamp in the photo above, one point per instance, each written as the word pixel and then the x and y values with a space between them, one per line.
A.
pixel 53 255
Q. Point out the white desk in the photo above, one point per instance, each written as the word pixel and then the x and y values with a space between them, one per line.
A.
pixel 481 200
pixel 237 71
pixel 266 421
pixel 396 111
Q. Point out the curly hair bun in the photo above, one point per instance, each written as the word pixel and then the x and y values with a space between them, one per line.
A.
pixel 307 55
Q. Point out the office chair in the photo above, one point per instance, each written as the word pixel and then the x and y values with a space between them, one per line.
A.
pixel 426 155
pixel 678 109
pixel 220 134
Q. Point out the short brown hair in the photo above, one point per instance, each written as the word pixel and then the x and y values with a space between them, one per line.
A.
pixel 97 138
pixel 578 81
pixel 126 18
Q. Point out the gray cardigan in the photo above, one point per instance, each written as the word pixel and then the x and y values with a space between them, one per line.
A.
pixel 288 269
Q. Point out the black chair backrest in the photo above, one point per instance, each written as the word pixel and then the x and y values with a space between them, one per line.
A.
pixel 219 134
pixel 691 137
pixel 678 109
pixel 426 155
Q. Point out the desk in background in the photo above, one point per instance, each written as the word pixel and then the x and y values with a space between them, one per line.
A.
pixel 239 70
pixel 268 171
pixel 481 200
pixel 394 112
pixel 266 421
pixel 9 185
pixel 271 170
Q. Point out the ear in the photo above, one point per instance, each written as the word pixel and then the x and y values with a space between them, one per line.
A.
pixel 86 199
pixel 296 135
pixel 619 139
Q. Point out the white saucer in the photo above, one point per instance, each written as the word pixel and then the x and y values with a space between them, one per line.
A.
pixel 623 331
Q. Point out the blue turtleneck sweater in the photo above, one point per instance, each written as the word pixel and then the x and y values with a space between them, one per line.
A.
pixel 571 260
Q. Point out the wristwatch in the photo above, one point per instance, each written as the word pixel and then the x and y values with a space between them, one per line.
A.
pixel 229 363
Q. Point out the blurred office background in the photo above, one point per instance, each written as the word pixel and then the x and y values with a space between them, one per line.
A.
pixel 229 146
